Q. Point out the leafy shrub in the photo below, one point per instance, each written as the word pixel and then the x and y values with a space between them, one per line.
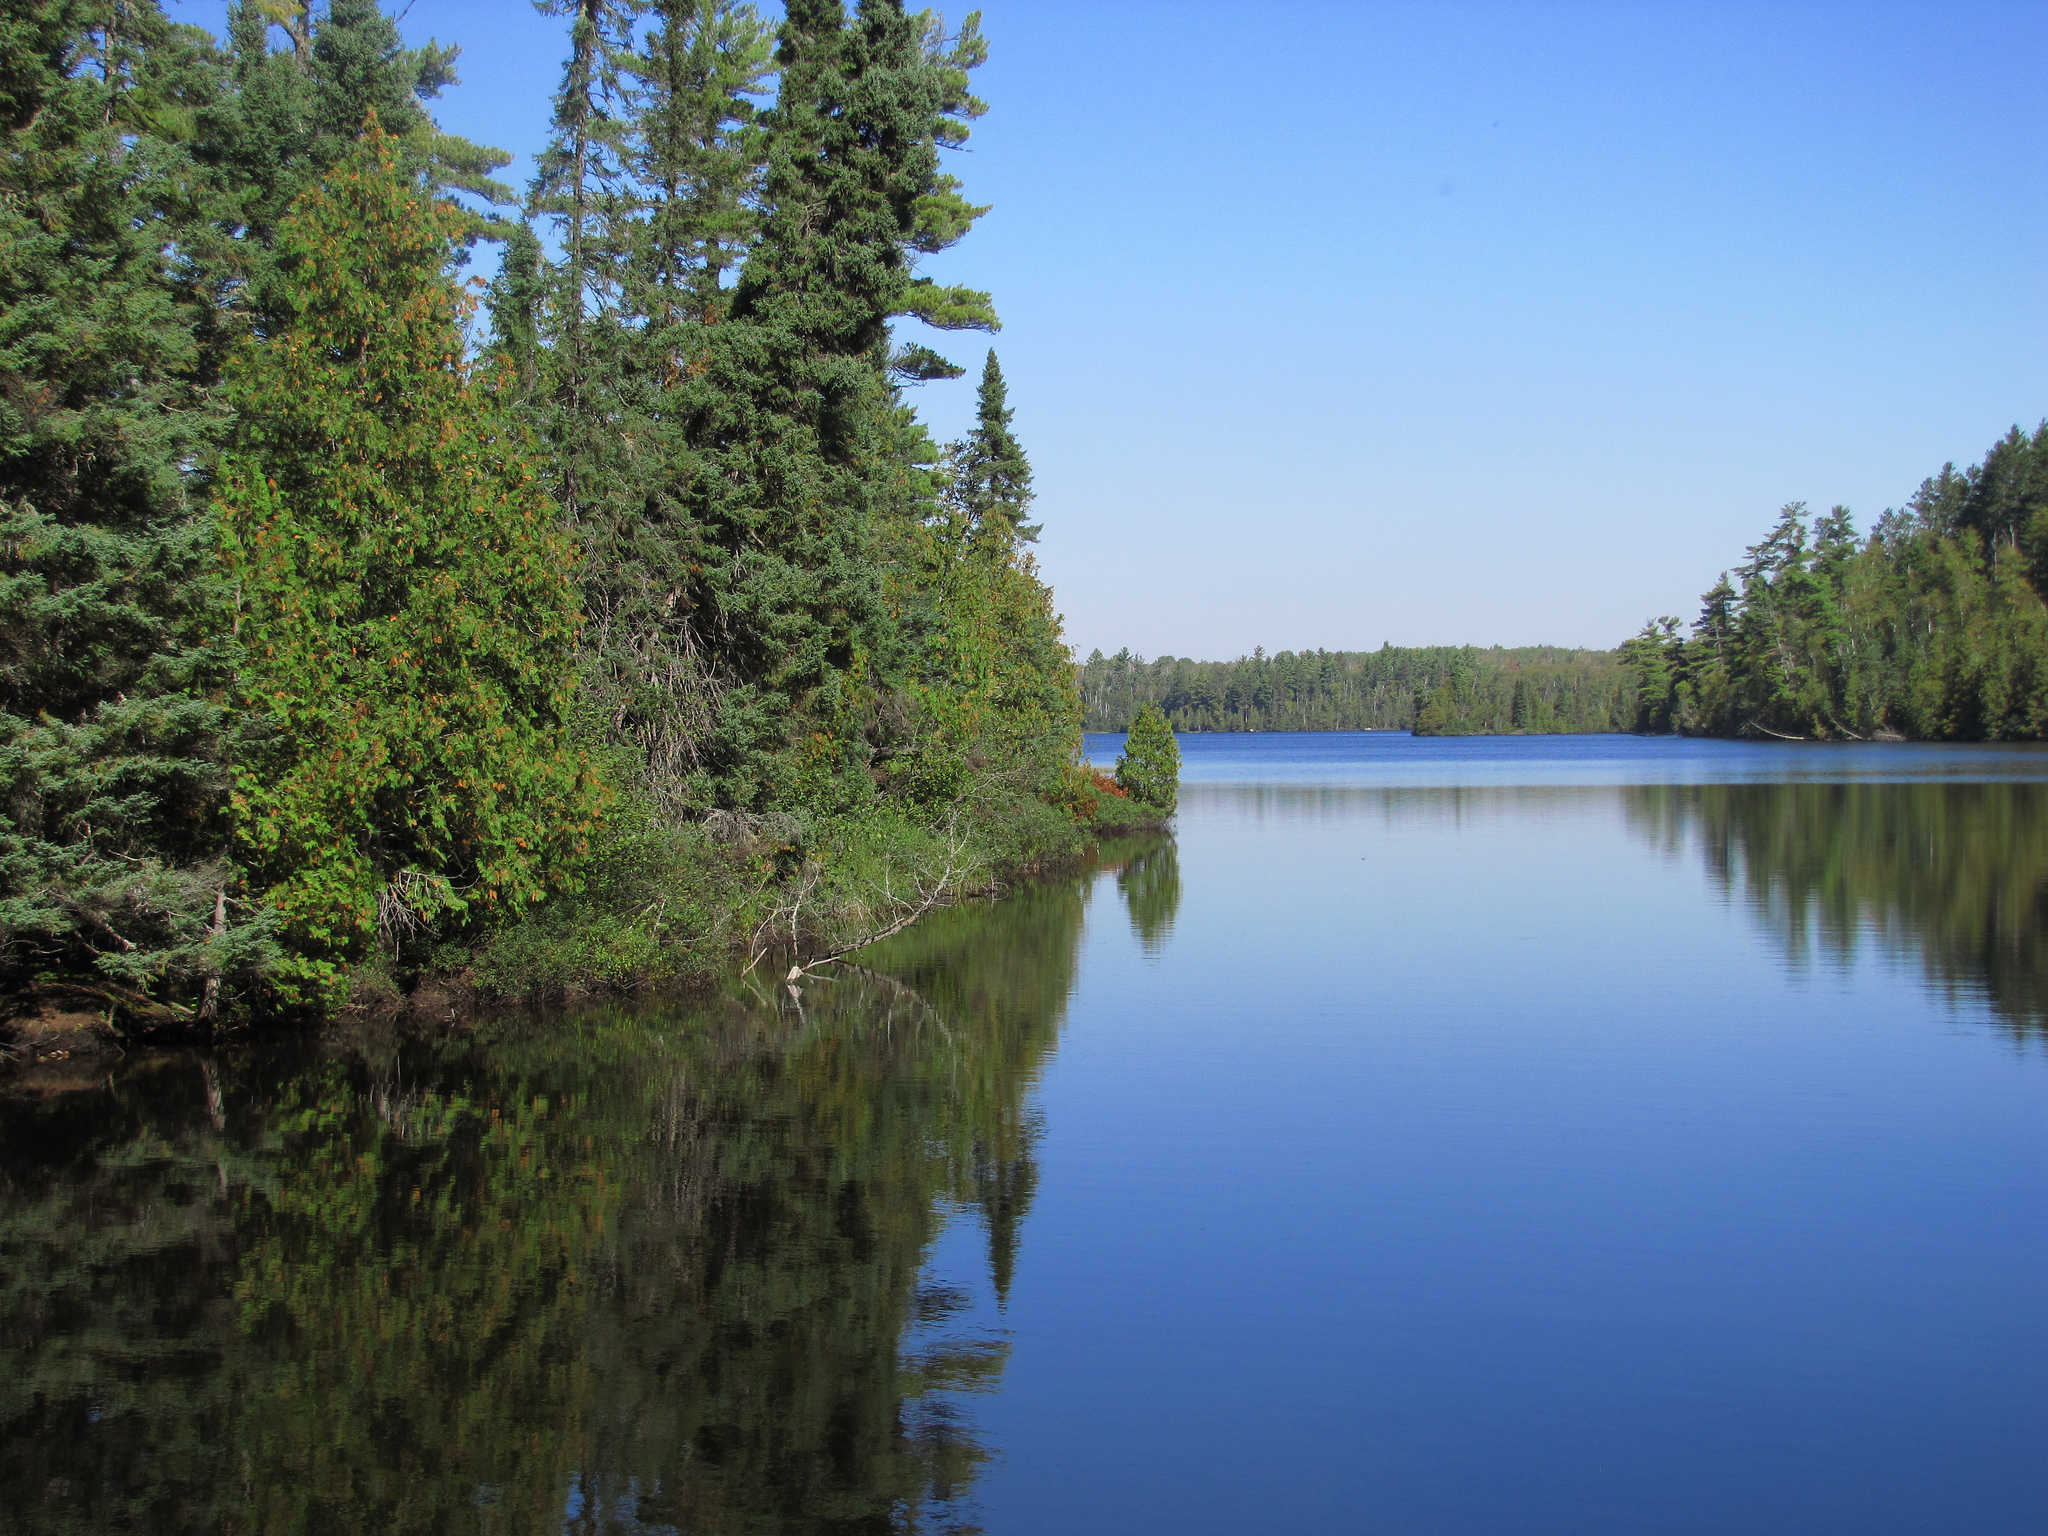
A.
pixel 1149 769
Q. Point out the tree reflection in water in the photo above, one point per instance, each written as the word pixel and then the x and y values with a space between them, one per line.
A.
pixel 1149 883
pixel 637 1269
pixel 1957 873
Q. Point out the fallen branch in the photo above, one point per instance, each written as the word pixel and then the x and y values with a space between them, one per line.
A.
pixel 1767 731
pixel 941 889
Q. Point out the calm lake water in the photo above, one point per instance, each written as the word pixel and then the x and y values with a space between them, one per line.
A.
pixel 1538 1134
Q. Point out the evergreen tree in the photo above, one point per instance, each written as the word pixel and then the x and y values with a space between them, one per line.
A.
pixel 997 683
pixel 1148 770
pixel 991 477
pixel 698 154
pixel 1652 656
pixel 796 420
pixel 295 112
pixel 404 599
pixel 1934 627
pixel 316 692
pixel 581 186
pixel 1435 690
pixel 943 215
pixel 113 869
pixel 693 151
pixel 516 302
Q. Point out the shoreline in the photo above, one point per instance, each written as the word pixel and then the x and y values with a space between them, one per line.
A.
pixel 45 1028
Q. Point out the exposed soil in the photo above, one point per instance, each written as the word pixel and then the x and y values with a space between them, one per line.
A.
pixel 49 1046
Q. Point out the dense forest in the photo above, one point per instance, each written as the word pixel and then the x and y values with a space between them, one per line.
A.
pixel 1435 690
pixel 1931 627
pixel 363 620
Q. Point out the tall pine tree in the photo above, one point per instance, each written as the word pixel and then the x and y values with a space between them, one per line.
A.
pixel 795 422
pixel 114 877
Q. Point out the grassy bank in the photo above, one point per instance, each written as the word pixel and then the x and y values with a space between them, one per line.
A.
pixel 665 906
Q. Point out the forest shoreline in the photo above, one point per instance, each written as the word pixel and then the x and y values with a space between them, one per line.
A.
pixel 46 1031
pixel 577 627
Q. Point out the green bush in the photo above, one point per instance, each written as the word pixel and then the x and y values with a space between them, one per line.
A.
pixel 1149 770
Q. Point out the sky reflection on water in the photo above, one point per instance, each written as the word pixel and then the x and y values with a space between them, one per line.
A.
pixel 1542 1135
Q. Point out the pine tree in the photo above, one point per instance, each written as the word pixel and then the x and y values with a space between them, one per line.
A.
pixel 581 186
pixel 693 153
pixel 1705 689
pixel 991 477
pixel 515 303
pixel 943 215
pixel 405 600
pixel 795 422
pixel 1651 657
pixel 113 869
pixel 295 112
pixel 999 686
pixel 697 153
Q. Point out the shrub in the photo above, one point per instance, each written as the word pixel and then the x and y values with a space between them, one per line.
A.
pixel 1149 769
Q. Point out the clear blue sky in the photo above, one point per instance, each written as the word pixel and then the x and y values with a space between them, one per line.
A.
pixel 1333 323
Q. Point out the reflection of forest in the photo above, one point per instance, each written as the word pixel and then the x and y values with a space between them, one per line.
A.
pixel 1346 804
pixel 1147 873
pixel 647 1270
pixel 1955 872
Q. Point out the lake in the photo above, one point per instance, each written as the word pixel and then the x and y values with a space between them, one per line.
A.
pixel 1507 1134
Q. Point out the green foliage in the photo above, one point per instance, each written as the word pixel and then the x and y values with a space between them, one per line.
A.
pixel 678 148
pixel 249 748
pixel 294 112
pixel 1149 768
pixel 795 418
pixel 656 903
pixel 1932 628
pixel 1651 657
pixel 1441 689
pixel 114 876
pixel 994 689
pixel 991 477
pixel 403 595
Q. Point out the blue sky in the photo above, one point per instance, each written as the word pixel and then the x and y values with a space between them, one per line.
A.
pixel 1333 324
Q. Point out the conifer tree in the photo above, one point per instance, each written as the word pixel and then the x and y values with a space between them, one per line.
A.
pixel 1148 770
pixel 113 737
pixel 796 419
pixel 943 214
pixel 515 303
pixel 692 151
pixel 991 477
pixel 581 186
pixel 999 678
pixel 295 112
pixel 697 154
pixel 405 599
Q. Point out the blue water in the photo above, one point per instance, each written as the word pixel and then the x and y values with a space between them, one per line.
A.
pixel 1549 1134
pixel 1469 1159
pixel 1395 758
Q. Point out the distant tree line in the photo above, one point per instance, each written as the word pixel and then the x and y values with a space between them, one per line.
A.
pixel 1437 689
pixel 1931 627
